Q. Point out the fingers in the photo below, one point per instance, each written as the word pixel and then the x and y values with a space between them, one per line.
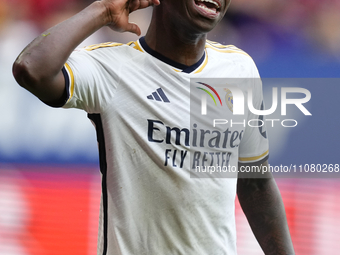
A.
pixel 156 2
pixel 120 18
pixel 135 5
pixel 141 4
pixel 133 28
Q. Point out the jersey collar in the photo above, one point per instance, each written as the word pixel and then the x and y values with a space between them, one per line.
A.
pixel 177 66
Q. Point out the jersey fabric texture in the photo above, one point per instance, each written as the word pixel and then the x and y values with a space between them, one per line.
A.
pixel 138 101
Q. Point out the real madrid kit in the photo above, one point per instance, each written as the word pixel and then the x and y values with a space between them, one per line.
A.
pixel 139 102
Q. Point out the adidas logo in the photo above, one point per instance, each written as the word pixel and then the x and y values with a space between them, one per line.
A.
pixel 158 95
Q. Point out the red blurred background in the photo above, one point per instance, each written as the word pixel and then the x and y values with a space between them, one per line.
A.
pixel 49 210
pixel 49 179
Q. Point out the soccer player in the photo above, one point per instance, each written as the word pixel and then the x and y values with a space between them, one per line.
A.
pixel 137 95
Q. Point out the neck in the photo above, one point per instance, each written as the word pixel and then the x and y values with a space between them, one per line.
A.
pixel 174 42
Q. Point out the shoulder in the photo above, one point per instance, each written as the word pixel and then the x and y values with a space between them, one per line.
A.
pixel 115 46
pixel 225 50
pixel 231 55
pixel 107 50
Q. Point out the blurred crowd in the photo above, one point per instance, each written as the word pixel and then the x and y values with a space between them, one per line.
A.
pixel 304 23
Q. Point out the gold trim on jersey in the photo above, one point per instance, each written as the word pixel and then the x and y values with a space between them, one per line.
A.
pixel 70 73
pixel 102 45
pixel 137 46
pixel 224 48
pixel 254 158
pixel 218 45
pixel 205 62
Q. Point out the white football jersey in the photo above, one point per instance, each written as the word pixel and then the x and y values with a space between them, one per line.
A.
pixel 139 102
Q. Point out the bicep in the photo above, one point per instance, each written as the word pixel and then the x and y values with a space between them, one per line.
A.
pixel 254 181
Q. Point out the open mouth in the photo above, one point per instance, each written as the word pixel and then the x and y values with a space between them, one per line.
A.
pixel 208 8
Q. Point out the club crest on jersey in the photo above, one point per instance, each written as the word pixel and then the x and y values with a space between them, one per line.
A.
pixel 229 99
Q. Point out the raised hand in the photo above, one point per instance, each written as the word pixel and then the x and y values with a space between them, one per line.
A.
pixel 38 68
pixel 118 12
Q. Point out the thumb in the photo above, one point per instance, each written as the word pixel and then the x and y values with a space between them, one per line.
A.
pixel 133 28
pixel 156 2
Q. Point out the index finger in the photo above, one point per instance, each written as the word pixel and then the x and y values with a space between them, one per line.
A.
pixel 141 4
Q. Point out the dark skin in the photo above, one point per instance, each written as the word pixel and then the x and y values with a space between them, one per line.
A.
pixel 183 32
pixel 262 204
pixel 177 31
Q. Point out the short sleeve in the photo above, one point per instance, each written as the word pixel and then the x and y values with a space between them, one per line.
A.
pixel 254 147
pixel 88 83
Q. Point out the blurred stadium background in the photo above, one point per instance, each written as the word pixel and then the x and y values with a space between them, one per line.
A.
pixel 49 178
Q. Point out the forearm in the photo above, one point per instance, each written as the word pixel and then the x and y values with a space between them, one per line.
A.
pixel 41 61
pixel 262 204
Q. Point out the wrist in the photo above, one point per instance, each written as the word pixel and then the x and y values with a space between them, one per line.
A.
pixel 100 13
pixel 105 13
